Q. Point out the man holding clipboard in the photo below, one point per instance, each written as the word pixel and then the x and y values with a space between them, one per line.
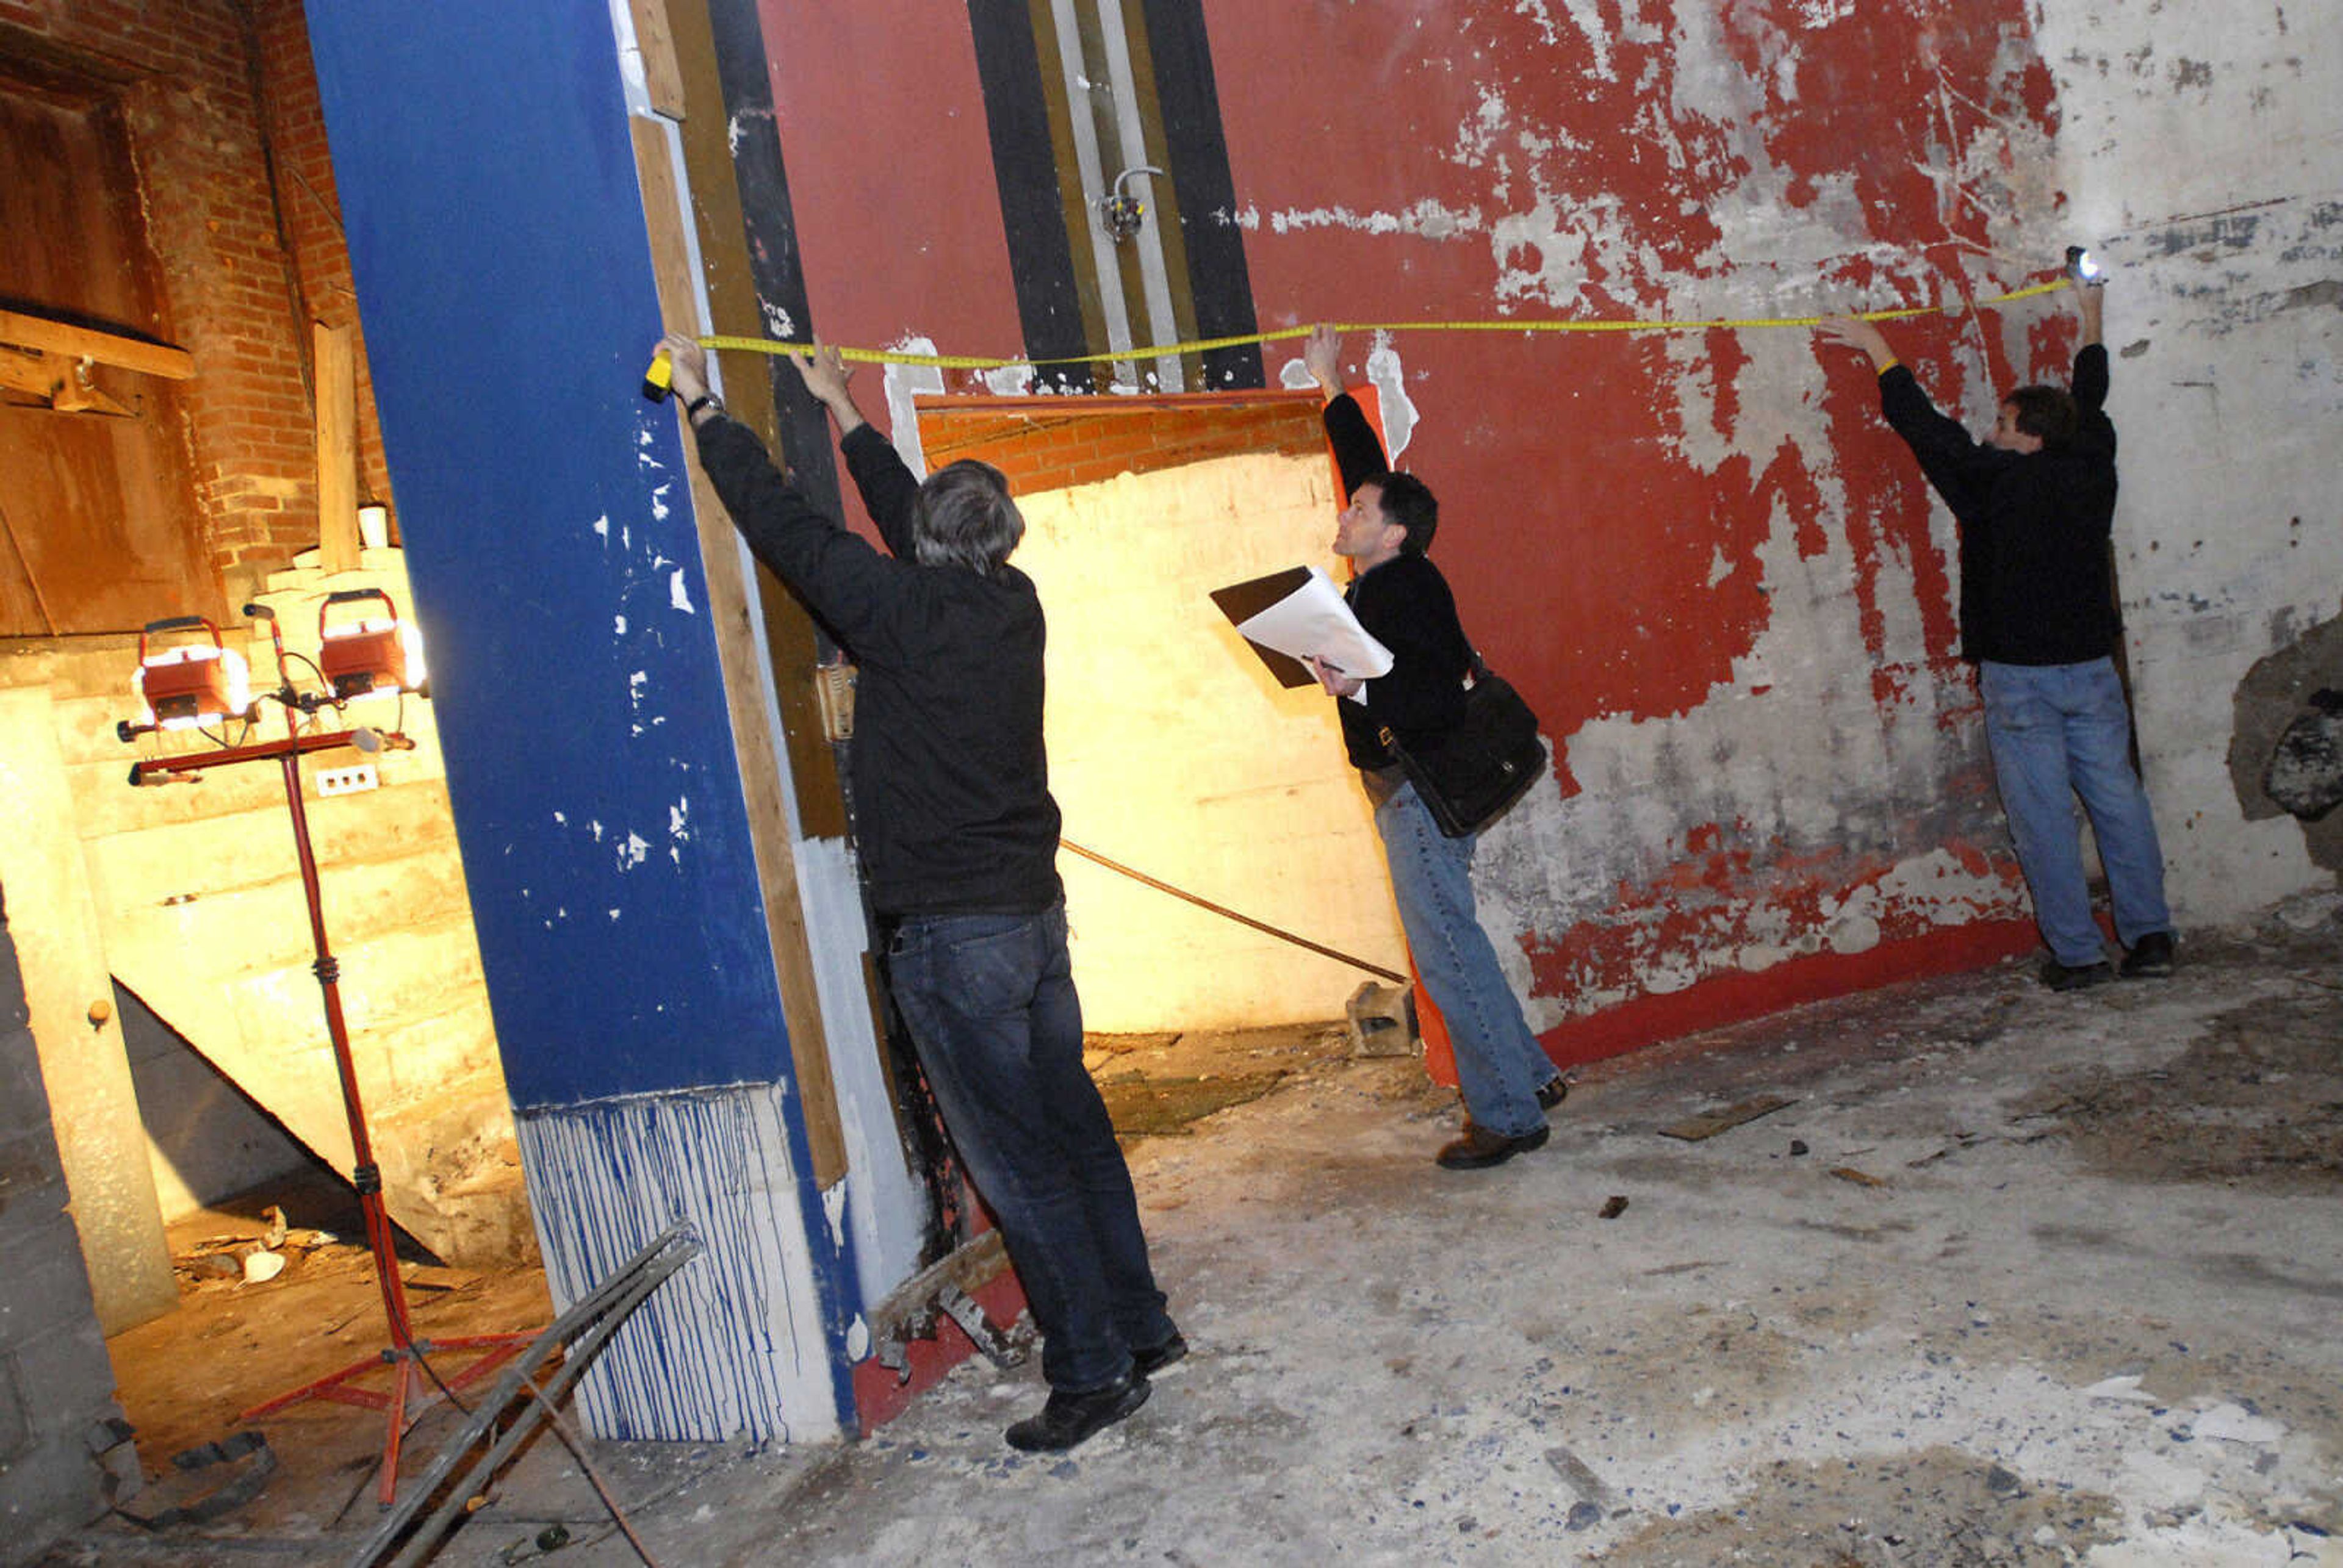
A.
pixel 1403 605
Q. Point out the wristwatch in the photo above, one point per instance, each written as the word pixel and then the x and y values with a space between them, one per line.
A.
pixel 705 400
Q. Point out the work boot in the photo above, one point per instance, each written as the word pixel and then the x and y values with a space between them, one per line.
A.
pixel 1480 1148
pixel 1553 1091
pixel 1067 1419
pixel 2150 957
pixel 2064 977
pixel 1146 1363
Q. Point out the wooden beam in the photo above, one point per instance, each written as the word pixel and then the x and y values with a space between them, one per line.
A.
pixel 39 332
pixel 337 447
pixel 742 657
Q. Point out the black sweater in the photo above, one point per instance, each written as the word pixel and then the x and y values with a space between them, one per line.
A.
pixel 1404 604
pixel 950 781
pixel 2035 583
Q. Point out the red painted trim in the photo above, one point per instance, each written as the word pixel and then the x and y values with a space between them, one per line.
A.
pixel 1730 998
pixel 879 1398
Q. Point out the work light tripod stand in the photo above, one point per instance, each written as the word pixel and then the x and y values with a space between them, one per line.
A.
pixel 405 1352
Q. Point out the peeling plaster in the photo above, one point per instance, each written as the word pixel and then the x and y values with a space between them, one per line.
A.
pixel 905 382
pixel 1427 219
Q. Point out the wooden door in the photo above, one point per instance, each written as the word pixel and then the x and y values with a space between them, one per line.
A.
pixel 98 526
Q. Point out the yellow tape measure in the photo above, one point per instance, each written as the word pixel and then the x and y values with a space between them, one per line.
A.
pixel 1208 345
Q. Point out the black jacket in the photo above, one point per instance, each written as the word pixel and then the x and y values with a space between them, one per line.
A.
pixel 951 780
pixel 1404 604
pixel 2036 584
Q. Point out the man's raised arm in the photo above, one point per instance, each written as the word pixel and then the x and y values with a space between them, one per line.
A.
pixel 889 494
pixel 1358 452
pixel 2090 382
pixel 1952 461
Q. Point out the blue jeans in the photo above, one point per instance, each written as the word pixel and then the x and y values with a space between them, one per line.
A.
pixel 1499 1063
pixel 990 999
pixel 2057 731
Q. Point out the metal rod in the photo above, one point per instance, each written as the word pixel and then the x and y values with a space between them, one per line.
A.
pixel 1223 910
pixel 623 1290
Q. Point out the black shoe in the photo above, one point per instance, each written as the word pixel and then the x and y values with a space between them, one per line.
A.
pixel 1072 1418
pixel 1148 1362
pixel 1553 1091
pixel 1479 1147
pixel 2059 977
pixel 2150 957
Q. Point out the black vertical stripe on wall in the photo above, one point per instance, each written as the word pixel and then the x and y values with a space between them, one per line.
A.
pixel 775 266
pixel 1025 169
pixel 1218 282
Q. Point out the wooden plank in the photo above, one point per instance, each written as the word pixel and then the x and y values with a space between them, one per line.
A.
pixel 27 331
pixel 656 40
pixel 1709 1123
pixel 336 371
pixel 741 656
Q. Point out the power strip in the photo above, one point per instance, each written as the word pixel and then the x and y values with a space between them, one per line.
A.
pixel 348 780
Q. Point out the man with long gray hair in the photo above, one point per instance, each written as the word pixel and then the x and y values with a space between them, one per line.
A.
pixel 958 838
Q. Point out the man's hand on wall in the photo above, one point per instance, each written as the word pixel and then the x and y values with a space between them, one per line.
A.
pixel 825 374
pixel 1855 332
pixel 1321 355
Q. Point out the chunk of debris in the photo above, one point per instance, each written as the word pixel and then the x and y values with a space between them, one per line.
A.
pixel 1612 1207
pixel 1860 1178
pixel 1709 1123
pixel 1382 1021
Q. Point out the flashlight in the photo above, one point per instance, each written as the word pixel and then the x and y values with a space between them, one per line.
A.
pixel 2083 268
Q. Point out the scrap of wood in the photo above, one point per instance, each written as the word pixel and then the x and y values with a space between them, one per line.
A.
pixel 654 39
pixel 1860 1178
pixel 1709 1123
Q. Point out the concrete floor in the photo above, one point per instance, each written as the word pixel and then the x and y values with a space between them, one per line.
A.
pixel 2014 1278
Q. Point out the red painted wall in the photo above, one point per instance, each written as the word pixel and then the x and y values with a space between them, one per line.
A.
pixel 1700 556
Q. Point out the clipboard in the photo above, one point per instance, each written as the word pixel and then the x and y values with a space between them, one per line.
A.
pixel 1298 612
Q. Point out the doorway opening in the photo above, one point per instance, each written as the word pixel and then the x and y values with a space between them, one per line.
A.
pixel 1173 750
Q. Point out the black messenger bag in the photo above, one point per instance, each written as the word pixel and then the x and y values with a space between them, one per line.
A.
pixel 1471 775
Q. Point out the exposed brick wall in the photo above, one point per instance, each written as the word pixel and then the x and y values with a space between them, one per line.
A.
pixel 312 208
pixel 1047 444
pixel 205 87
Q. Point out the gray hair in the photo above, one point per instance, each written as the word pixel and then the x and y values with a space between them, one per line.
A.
pixel 965 519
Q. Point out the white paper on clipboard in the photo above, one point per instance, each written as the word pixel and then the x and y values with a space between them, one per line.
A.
pixel 1313 621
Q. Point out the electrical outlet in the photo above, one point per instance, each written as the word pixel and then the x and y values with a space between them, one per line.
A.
pixel 348 780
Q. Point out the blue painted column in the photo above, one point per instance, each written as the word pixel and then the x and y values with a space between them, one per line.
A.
pixel 496 229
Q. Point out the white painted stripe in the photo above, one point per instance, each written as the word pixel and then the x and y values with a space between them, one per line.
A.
pixel 1081 120
pixel 1154 277
pixel 732 1346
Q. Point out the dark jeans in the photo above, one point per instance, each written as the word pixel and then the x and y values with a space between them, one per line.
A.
pixel 990 999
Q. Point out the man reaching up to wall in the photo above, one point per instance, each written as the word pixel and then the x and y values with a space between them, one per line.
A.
pixel 959 843
pixel 2035 501
pixel 1400 598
